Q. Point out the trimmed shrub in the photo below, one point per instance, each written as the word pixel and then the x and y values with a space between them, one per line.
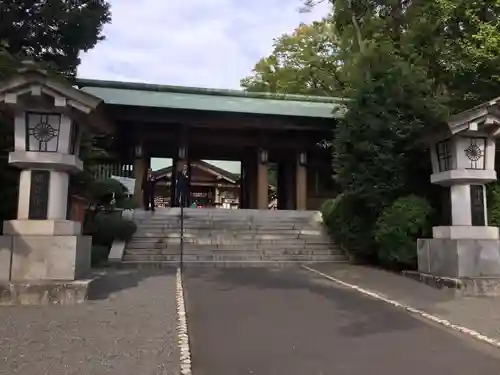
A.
pixel 109 226
pixel 493 199
pixel 105 227
pixel 101 192
pixel 99 254
pixel 127 204
pixel 326 211
pixel 398 228
pixel 350 224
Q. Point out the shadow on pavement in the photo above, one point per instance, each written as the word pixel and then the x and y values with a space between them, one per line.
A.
pixel 112 280
pixel 393 284
pixel 356 315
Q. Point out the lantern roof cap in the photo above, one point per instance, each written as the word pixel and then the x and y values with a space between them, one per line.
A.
pixel 32 80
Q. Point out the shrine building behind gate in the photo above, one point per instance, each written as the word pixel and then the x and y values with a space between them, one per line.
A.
pixel 192 124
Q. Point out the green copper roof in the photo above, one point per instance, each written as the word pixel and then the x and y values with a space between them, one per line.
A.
pixel 148 95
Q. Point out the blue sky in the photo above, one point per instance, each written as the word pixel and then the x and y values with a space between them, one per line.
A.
pixel 205 43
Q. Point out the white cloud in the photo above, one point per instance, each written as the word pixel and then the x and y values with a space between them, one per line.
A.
pixel 205 43
pixel 190 42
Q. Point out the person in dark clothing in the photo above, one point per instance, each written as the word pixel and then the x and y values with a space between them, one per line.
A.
pixel 148 191
pixel 183 186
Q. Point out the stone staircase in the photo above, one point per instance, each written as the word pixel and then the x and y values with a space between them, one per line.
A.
pixel 222 237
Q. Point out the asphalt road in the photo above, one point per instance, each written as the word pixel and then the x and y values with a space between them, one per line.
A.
pixel 292 322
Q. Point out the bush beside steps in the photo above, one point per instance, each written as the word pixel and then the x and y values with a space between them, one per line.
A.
pixel 387 240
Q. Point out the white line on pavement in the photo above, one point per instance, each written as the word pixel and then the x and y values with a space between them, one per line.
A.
pixel 182 329
pixel 412 310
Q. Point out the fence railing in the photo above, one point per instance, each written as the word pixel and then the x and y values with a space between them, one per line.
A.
pixel 105 171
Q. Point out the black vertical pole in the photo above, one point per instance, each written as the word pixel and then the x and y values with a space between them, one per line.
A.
pixel 181 201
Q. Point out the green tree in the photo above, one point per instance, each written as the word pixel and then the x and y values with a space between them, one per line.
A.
pixel 459 42
pixel 375 153
pixel 402 52
pixel 455 41
pixel 301 63
pixel 53 31
pixel 406 66
pixel 9 177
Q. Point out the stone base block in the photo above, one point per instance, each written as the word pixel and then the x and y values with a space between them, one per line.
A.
pixel 44 292
pixel 5 258
pixel 463 286
pixel 42 228
pixel 35 258
pixel 470 232
pixel 459 257
pixel 46 160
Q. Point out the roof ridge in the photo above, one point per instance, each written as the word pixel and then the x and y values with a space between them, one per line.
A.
pixel 221 171
pixel 84 82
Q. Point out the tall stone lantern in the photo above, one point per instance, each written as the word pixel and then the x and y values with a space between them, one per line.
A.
pixel 42 245
pixel 463 162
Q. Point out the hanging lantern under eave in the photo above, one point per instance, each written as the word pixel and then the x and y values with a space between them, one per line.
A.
pixel 303 158
pixel 182 153
pixel 264 156
pixel 138 151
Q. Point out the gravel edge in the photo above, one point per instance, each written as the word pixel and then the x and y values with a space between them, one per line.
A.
pixel 182 329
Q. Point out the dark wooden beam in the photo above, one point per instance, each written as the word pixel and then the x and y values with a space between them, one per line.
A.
pixel 212 119
pixel 238 141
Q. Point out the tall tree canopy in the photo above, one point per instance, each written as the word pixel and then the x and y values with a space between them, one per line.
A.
pixel 301 63
pixel 404 65
pixel 53 31
pixel 455 41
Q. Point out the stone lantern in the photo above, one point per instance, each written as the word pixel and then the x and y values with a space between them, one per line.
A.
pixel 42 244
pixel 463 161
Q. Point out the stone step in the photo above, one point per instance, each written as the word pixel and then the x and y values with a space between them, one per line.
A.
pixel 228 225
pixel 218 211
pixel 227 228
pixel 218 215
pixel 235 219
pixel 232 240
pixel 216 264
pixel 190 216
pixel 258 242
pixel 145 265
pixel 213 232
pixel 270 250
pixel 230 243
pixel 254 245
pixel 243 258
pixel 209 218
pixel 239 236
pixel 226 213
pixel 267 251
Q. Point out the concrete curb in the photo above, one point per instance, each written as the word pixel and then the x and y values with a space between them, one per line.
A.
pixel 443 322
pixel 118 247
pixel 182 330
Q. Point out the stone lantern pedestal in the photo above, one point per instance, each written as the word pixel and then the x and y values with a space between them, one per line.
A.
pixel 464 252
pixel 43 256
